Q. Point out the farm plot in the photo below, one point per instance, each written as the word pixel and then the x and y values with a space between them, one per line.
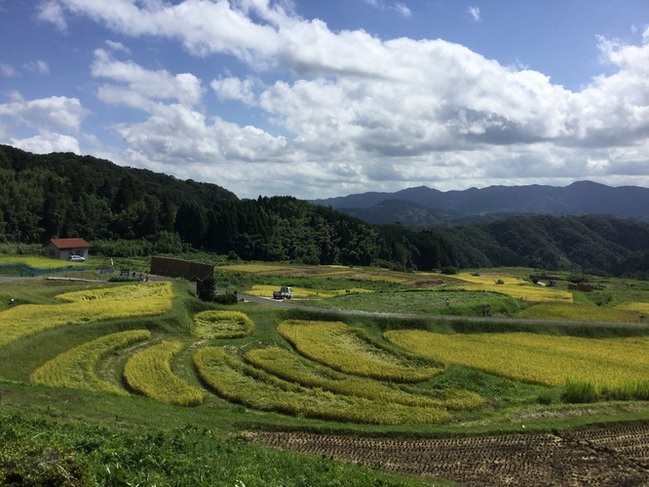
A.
pixel 231 378
pixel 303 293
pixel 294 368
pixel 512 286
pixel 349 350
pixel 81 307
pixel 77 368
pixel 582 312
pixel 612 456
pixel 214 324
pixel 149 373
pixel 529 357
pixel 442 301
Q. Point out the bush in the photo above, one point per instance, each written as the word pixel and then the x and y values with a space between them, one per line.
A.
pixel 35 463
pixel 449 270
pixel 205 288
pixel 227 298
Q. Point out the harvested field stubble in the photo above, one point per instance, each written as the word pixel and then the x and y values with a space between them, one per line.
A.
pixel 610 457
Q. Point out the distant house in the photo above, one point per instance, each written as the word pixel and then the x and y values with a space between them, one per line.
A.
pixel 63 248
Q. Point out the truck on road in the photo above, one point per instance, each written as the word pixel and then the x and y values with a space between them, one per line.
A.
pixel 285 292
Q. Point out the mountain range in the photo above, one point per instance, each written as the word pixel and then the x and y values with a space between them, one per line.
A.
pixel 423 206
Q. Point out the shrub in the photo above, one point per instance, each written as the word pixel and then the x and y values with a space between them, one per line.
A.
pixel 205 288
pixel 38 463
pixel 449 270
pixel 227 298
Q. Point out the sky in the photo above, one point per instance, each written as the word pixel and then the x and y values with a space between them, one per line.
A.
pixel 325 98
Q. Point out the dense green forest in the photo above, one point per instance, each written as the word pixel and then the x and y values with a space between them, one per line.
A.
pixel 127 211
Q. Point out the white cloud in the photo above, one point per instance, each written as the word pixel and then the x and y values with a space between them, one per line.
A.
pixel 474 13
pixel 38 66
pixel 51 11
pixel 53 113
pixel 402 9
pixel 7 70
pixel 232 88
pixel 47 142
pixel 160 84
pixel 361 112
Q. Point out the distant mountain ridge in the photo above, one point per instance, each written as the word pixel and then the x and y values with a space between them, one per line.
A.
pixel 427 206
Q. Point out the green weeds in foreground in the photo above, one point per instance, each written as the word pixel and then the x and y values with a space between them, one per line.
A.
pixel 40 452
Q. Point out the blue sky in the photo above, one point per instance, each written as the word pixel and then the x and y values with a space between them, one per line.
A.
pixel 327 98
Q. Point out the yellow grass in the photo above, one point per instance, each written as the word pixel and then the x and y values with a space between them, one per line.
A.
pixel 213 324
pixel 528 357
pixel 255 268
pixel 149 373
pixel 641 308
pixel 77 368
pixel 35 262
pixel 512 286
pixel 346 349
pixel 303 293
pixel 145 299
pixel 237 382
pixel 581 312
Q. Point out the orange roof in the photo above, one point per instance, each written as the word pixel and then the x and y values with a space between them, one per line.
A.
pixel 70 243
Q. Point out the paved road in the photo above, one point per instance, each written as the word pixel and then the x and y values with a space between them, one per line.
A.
pixel 500 319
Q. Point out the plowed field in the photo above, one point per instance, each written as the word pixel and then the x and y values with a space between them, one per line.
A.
pixel 607 456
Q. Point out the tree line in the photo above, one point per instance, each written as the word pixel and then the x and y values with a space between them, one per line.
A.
pixel 126 211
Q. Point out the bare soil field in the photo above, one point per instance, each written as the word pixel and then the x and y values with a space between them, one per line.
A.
pixel 599 456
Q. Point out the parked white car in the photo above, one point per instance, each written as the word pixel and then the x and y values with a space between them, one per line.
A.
pixel 77 258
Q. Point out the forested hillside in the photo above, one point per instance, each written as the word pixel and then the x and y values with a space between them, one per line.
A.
pixel 126 211
pixel 65 195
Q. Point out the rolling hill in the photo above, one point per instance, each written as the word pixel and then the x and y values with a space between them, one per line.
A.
pixel 426 206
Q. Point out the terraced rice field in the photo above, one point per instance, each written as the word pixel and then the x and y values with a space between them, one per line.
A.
pixel 528 357
pixel 215 324
pixel 77 368
pixel 231 378
pixel 149 373
pixel 348 350
pixel 81 307
pixel 512 286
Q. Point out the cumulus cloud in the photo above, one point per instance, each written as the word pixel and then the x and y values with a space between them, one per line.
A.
pixel 356 111
pixel 53 113
pixel 148 84
pixel 232 88
pixel 47 142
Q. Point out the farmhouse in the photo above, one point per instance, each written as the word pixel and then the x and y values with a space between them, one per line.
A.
pixel 63 248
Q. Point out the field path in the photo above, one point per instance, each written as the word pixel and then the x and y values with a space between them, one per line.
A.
pixel 603 456
pixel 499 319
